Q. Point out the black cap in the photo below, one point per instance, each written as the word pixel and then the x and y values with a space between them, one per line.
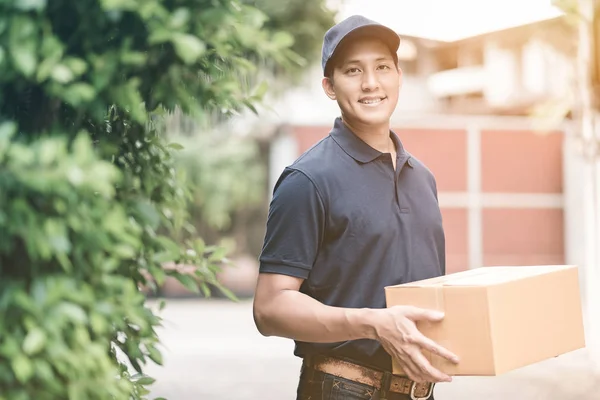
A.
pixel 358 24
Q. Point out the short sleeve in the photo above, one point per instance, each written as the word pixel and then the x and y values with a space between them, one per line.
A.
pixel 295 226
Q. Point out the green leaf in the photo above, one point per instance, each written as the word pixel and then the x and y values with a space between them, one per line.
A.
pixel 218 254
pixel 251 106
pixel 76 65
pixel 188 47
pixel 148 213
pixel 72 311
pixel 261 90
pixel 146 380
pixel 124 251
pixel 160 35
pixel 29 5
pixel 199 246
pixel 244 64
pixel 52 48
pixel 82 148
pixel 134 58
pixel 169 244
pixel 158 273
pixel 2 56
pixel 98 323
pixel 24 59
pixel 57 236
pixel 7 130
pixel 164 256
pixel 114 5
pixel 188 282
pixel 9 347
pixel 205 289
pixel 175 146
pixel 22 367
pixel 45 69
pixel 23 44
pixel 43 370
pixel 179 18
pixel 228 293
pixel 155 355
pixel 78 93
pixel 62 74
pixel 34 341
pixel 283 39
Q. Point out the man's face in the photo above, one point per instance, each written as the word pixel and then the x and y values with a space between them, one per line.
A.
pixel 366 82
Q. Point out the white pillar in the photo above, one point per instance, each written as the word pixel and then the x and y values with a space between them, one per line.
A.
pixel 587 157
pixel 581 237
pixel 475 219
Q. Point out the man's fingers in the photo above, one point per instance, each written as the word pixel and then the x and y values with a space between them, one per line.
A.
pixel 410 368
pixel 432 374
pixel 422 314
pixel 435 348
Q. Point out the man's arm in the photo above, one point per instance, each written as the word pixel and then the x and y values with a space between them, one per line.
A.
pixel 281 310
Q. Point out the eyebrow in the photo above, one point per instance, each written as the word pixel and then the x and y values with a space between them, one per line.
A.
pixel 358 61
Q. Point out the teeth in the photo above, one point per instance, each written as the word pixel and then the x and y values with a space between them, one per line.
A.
pixel 373 101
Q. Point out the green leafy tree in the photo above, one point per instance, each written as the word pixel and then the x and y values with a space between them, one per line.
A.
pixel 228 172
pixel 91 204
pixel 306 21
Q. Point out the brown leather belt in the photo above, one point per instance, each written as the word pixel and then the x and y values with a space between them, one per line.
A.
pixel 360 374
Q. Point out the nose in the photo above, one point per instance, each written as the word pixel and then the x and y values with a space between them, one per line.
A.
pixel 369 81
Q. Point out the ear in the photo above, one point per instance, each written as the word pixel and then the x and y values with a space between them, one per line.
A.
pixel 400 74
pixel 328 88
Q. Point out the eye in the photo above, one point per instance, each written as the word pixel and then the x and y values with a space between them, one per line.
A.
pixel 384 67
pixel 352 70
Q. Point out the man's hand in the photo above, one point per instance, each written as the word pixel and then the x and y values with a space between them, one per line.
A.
pixel 397 332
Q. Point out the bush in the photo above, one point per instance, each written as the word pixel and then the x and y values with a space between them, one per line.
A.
pixel 91 206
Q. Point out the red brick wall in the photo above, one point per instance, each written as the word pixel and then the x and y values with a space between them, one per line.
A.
pixel 521 161
pixel 442 151
pixel 457 243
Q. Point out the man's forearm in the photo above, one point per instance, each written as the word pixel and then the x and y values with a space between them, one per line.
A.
pixel 297 316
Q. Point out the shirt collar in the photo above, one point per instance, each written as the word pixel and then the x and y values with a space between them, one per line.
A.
pixel 356 148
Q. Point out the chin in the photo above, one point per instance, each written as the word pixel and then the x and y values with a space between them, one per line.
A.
pixel 376 118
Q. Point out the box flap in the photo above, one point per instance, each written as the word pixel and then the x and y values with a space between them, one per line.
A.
pixel 485 276
pixel 499 275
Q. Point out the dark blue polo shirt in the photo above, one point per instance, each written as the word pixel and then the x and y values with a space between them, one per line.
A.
pixel 342 219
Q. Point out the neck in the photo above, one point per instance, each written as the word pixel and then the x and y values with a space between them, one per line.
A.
pixel 376 136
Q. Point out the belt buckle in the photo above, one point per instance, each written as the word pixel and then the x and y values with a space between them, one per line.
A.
pixel 416 392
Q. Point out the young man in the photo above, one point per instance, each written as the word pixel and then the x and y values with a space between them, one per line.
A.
pixel 352 215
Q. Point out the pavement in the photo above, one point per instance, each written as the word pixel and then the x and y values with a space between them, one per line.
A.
pixel 212 351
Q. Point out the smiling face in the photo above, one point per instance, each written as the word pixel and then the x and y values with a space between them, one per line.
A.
pixel 365 81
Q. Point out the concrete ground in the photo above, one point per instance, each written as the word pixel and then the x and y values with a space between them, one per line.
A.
pixel 212 351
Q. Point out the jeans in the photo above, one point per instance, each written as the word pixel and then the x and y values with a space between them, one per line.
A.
pixel 316 385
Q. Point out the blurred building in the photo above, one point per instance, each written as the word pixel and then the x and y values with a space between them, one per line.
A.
pixel 506 72
pixel 463 110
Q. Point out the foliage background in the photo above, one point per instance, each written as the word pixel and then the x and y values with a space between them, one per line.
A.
pixel 92 203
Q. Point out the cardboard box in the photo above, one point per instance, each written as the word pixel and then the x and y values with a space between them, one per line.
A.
pixel 498 318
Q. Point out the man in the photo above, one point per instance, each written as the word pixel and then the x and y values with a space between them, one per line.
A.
pixel 352 215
